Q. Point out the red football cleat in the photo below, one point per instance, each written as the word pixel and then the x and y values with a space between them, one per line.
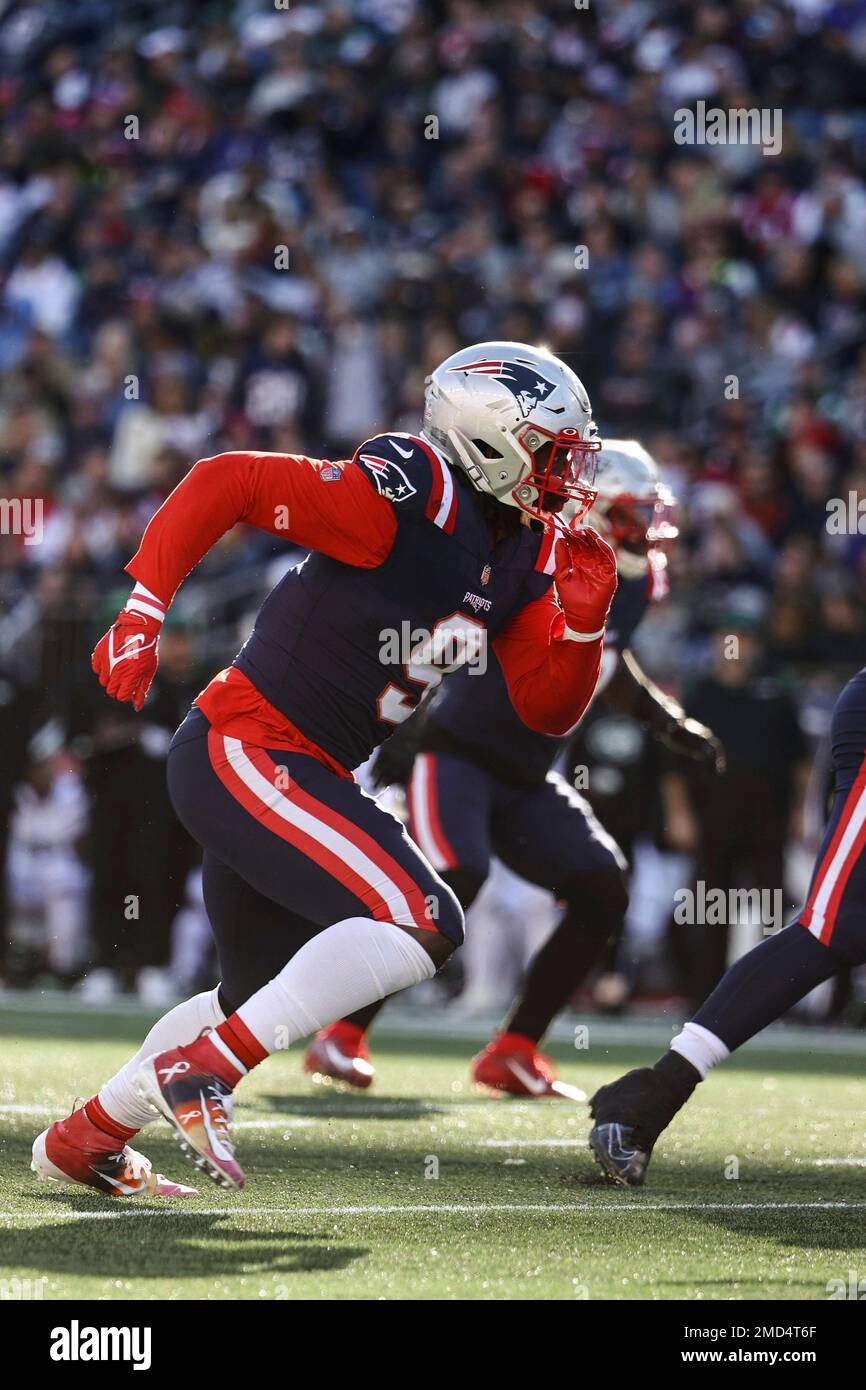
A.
pixel 512 1063
pixel 198 1106
pixel 75 1151
pixel 340 1052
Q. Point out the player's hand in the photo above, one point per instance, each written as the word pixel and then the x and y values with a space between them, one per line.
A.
pixel 585 577
pixel 689 739
pixel 125 658
pixel 391 766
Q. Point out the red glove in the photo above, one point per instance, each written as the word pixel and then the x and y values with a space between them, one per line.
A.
pixel 125 658
pixel 585 578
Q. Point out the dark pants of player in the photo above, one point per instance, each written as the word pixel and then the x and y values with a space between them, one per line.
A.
pixel 830 931
pixel 460 816
pixel 289 849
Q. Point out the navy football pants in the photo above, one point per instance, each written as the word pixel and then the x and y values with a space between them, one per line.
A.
pixel 289 849
pixel 460 815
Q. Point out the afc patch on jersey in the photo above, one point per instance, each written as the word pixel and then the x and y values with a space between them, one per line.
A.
pixel 390 479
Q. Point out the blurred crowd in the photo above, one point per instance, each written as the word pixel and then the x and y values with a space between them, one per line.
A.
pixel 249 225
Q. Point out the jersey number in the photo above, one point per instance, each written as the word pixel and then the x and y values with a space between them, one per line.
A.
pixel 454 642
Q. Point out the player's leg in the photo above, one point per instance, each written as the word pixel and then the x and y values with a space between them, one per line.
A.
pixel 315 844
pixel 449 802
pixel 92 1145
pixel 551 837
pixel 829 934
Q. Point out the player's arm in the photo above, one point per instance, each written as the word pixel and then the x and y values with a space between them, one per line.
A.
pixel 551 650
pixel 284 494
pixel 287 495
pixel 631 691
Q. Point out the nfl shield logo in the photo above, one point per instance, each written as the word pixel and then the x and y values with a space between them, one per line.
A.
pixel 330 473
pixel 485 575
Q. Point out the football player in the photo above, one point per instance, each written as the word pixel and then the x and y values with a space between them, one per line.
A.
pixel 482 785
pixel 828 934
pixel 318 900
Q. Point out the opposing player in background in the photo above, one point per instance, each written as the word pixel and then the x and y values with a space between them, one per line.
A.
pixel 319 901
pixel 482 784
pixel 828 934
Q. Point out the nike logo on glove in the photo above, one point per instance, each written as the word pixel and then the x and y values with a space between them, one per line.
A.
pixel 130 649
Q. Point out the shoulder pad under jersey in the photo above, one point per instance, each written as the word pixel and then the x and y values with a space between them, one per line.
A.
pixel 413 475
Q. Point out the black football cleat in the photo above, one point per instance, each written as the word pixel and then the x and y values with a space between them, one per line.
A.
pixel 632 1112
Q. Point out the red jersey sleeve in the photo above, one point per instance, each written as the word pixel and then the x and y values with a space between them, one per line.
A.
pixel 329 507
pixel 551 679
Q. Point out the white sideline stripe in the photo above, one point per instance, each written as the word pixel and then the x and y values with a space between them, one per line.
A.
pixel 419 800
pixel 837 865
pixel 370 873
pixel 447 1208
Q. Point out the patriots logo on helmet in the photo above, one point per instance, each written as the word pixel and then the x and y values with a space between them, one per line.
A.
pixel 390 480
pixel 527 385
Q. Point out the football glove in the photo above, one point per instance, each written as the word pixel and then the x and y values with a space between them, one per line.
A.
pixel 125 659
pixel 585 578
pixel 392 765
pixel 689 739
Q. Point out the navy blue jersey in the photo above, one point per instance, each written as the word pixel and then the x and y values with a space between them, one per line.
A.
pixel 330 645
pixel 473 714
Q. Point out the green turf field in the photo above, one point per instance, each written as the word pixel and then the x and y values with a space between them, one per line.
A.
pixel 344 1201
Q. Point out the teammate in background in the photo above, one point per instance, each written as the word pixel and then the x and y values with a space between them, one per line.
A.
pixel 319 901
pixel 827 935
pixel 482 785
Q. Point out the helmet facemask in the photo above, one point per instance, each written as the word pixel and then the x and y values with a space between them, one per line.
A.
pixel 562 471
pixel 637 526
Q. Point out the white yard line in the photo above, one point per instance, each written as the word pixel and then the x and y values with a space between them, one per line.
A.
pixel 331 1110
pixel 639 1030
pixel 838 1162
pixel 530 1143
pixel 444 1209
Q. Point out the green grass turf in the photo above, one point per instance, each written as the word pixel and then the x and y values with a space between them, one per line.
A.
pixel 335 1181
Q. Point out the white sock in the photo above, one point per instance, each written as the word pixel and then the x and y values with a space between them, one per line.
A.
pixel 182 1024
pixel 342 969
pixel 700 1047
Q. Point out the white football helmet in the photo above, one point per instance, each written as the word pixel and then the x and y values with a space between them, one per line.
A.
pixel 519 422
pixel 633 508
